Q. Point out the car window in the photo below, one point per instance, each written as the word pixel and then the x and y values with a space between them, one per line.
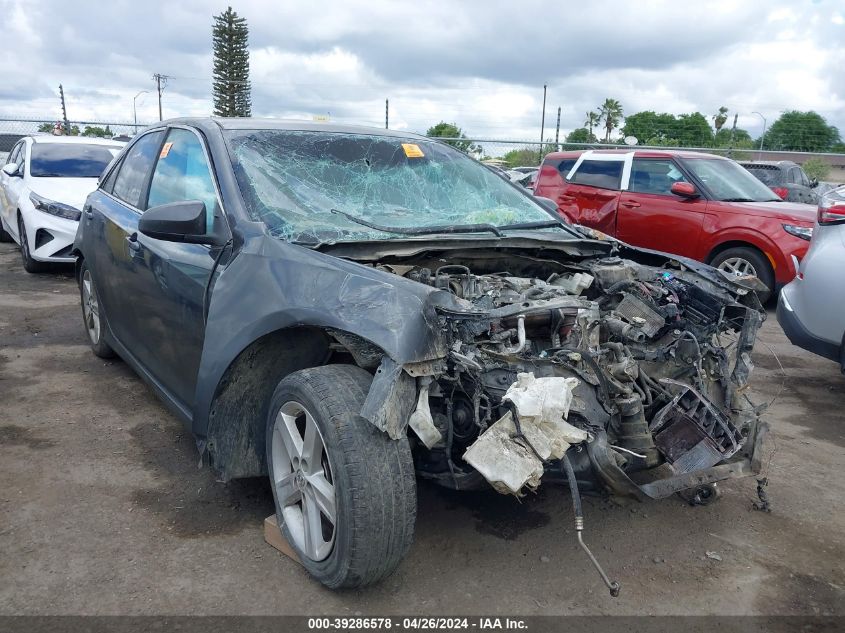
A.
pixel 804 179
pixel 565 166
pixel 599 173
pixel 13 155
pixel 132 175
pixel 70 160
pixel 108 184
pixel 767 174
pixel 654 176
pixel 182 173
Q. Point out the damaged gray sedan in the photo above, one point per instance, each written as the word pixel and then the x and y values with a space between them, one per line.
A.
pixel 348 309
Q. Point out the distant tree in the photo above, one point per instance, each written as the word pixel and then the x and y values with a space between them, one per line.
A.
pixel 801 132
pixel 720 118
pixel 46 127
pixel 611 113
pixel 592 121
pixel 452 131
pixel 231 87
pixel 97 132
pixel 741 139
pixel 526 156
pixel 651 128
pixel 580 135
pixel 816 168
pixel 693 130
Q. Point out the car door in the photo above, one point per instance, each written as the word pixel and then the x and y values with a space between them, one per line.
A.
pixel 12 188
pixel 651 216
pixel 4 184
pixel 110 217
pixel 169 279
pixel 592 193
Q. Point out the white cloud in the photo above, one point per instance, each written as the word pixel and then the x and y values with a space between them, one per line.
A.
pixel 481 65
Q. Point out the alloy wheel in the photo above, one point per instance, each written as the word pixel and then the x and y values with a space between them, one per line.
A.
pixel 90 307
pixel 738 266
pixel 303 482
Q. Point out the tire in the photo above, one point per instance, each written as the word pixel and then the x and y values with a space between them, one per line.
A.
pixel 29 264
pixel 746 259
pixel 370 475
pixel 92 317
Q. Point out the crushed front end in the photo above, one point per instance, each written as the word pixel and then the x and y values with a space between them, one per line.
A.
pixel 641 370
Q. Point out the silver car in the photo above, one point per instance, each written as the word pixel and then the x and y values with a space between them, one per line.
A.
pixel 811 308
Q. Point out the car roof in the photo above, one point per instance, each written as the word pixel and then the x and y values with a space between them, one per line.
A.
pixel 83 140
pixel 769 163
pixel 293 125
pixel 638 153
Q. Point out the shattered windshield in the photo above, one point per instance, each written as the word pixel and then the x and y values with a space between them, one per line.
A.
pixel 315 187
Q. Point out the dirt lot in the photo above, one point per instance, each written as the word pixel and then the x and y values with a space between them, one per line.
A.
pixel 103 509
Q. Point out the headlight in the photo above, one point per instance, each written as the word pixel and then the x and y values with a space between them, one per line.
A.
pixel 804 232
pixel 59 209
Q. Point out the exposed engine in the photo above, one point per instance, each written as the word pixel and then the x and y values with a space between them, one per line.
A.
pixel 659 357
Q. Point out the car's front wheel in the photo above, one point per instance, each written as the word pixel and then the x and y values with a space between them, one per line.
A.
pixel 345 492
pixel 742 261
pixel 92 315
pixel 30 265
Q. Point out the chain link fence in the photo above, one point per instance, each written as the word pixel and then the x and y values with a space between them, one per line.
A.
pixel 506 153
pixel 509 154
pixel 12 129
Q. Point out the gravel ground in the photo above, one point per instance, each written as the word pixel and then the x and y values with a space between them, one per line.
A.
pixel 103 509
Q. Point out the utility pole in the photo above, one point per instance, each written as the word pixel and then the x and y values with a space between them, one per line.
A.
pixel 64 110
pixel 557 130
pixel 161 82
pixel 386 112
pixel 543 119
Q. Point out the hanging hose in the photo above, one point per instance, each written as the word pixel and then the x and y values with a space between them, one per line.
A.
pixel 612 585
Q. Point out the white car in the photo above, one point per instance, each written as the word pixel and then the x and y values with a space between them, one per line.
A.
pixel 43 187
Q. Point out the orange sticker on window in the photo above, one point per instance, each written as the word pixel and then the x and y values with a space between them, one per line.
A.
pixel 165 150
pixel 412 150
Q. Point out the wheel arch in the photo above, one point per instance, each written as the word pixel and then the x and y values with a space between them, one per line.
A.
pixel 739 243
pixel 235 425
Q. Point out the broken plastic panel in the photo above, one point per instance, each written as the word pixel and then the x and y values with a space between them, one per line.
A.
pixel 510 462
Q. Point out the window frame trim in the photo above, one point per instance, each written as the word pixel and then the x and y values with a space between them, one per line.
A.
pixel 626 158
pixel 122 160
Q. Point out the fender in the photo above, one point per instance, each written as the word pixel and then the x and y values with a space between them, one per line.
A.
pixel 751 235
pixel 324 292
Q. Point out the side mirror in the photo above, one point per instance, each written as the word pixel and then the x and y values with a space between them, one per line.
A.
pixel 12 170
pixel 177 222
pixel 685 190
pixel 547 203
pixel 814 182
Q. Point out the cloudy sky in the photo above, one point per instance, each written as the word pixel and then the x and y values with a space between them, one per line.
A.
pixel 479 64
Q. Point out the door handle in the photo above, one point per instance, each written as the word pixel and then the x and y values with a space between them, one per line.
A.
pixel 89 212
pixel 631 204
pixel 134 244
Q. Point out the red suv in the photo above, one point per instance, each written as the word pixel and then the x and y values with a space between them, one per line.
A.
pixel 701 206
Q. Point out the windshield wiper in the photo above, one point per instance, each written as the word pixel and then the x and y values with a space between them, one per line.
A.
pixel 740 200
pixel 425 230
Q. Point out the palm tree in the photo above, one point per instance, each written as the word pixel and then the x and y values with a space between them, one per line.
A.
pixel 593 119
pixel 611 112
pixel 720 118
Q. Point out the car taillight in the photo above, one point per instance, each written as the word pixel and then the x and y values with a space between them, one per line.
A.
pixel 781 191
pixel 831 214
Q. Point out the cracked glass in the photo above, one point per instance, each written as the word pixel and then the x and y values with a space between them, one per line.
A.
pixel 308 186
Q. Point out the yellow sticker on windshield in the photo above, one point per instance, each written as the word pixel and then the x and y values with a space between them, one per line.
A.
pixel 165 150
pixel 412 150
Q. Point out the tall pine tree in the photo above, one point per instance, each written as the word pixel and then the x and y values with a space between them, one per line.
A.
pixel 230 36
